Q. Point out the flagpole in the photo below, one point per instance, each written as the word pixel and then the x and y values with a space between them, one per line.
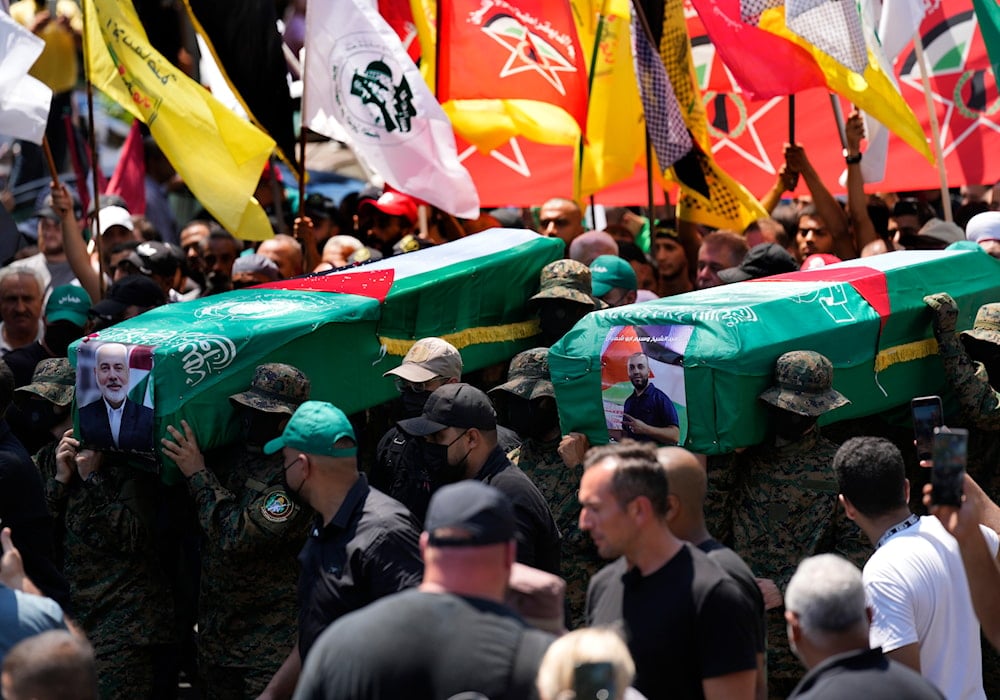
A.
pixel 838 115
pixel 578 175
pixel 52 161
pixel 918 48
pixel 641 14
pixel 91 133
pixel 791 119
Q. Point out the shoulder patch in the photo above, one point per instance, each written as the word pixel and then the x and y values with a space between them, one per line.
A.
pixel 277 507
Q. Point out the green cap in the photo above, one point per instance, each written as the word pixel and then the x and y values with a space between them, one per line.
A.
pixel 315 428
pixel 68 303
pixel 609 272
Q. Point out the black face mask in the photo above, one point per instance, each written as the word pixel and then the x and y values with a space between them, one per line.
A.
pixel 295 494
pixel 259 427
pixel 557 317
pixel 988 354
pixel 440 470
pixel 790 426
pixel 531 419
pixel 413 402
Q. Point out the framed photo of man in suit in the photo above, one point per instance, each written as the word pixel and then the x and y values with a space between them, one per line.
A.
pixel 115 396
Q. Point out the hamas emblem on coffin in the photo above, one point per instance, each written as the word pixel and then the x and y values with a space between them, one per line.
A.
pixel 373 92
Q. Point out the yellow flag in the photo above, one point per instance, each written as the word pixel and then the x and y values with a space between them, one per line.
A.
pixel 723 202
pixel 219 156
pixel 615 141
pixel 488 124
pixel 872 92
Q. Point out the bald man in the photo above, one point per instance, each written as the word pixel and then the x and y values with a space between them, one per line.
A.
pixel 686 518
pixel 561 218
pixel 588 246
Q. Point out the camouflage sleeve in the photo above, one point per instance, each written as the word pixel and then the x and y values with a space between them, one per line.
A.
pixel 56 492
pixel 115 513
pixel 238 527
pixel 968 379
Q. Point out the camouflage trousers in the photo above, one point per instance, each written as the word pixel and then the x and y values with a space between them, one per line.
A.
pixel 784 670
pixel 126 673
pixel 228 683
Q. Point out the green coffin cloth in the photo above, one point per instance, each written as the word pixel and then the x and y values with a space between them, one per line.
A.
pixel 867 316
pixel 471 292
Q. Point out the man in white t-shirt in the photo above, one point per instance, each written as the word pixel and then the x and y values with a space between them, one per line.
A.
pixel 915 581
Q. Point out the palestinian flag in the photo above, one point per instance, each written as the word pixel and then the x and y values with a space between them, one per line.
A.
pixel 866 315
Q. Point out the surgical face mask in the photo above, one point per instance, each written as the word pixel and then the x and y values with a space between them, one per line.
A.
pixel 294 493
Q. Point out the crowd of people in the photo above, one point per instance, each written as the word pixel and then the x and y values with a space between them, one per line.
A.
pixel 460 543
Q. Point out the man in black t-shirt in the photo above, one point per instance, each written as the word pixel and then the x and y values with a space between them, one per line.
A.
pixel 686 518
pixel 688 626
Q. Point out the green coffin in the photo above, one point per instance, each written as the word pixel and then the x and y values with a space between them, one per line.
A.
pixel 471 292
pixel 866 315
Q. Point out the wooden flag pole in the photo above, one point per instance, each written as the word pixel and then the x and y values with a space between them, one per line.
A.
pixel 94 168
pixel 51 161
pixel 918 48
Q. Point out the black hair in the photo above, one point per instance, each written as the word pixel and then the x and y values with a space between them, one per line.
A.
pixel 637 473
pixel 871 475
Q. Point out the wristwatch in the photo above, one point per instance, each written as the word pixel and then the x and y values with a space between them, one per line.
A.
pixel 851 160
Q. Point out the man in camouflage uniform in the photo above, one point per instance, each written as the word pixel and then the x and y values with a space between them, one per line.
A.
pixel 254 530
pixel 526 402
pixel 120 593
pixel 565 296
pixel 971 360
pixel 50 393
pixel 783 499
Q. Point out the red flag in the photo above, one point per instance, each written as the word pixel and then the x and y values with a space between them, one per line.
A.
pixel 524 50
pixel 764 65
pixel 130 173
pixel 399 15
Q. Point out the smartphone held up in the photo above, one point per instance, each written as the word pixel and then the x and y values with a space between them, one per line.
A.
pixel 948 474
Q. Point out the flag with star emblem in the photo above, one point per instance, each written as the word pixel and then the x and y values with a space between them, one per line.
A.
pixel 708 195
pixel 359 77
pixel 528 66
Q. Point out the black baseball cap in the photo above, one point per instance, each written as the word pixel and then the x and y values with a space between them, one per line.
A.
pixel 453 406
pixel 134 290
pixel 469 514
pixel 763 260
pixel 156 258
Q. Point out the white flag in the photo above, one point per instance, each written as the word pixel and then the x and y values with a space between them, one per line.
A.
pixel 24 101
pixel 358 76
pixel 888 25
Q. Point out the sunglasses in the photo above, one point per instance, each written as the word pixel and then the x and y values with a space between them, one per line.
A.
pixel 413 387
